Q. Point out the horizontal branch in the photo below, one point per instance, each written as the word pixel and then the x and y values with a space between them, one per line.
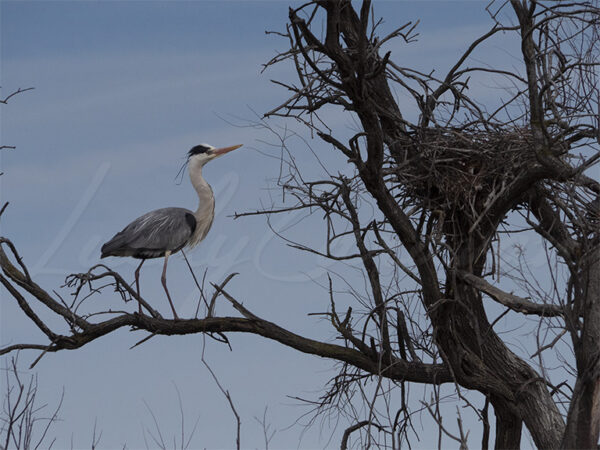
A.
pixel 511 301
pixel 400 370
pixel 5 100
pixel 87 331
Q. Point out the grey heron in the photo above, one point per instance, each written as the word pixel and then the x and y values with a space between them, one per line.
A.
pixel 165 231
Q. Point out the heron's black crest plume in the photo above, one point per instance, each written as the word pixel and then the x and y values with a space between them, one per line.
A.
pixel 198 149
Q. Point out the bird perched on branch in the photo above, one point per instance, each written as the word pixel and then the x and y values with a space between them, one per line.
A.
pixel 166 231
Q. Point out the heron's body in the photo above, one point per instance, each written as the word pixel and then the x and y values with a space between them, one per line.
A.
pixel 165 231
pixel 154 233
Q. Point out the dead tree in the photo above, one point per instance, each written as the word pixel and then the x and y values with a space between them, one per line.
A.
pixel 425 202
pixel 23 424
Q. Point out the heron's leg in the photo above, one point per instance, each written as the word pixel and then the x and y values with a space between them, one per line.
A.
pixel 164 283
pixel 137 284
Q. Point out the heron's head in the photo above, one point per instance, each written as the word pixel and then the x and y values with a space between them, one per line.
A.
pixel 203 153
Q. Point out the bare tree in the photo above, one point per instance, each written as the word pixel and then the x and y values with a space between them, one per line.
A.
pixel 23 423
pixel 425 202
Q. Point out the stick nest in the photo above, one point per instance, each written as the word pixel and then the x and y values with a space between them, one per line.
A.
pixel 458 173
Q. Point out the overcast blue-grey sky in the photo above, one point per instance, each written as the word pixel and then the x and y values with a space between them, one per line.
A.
pixel 122 91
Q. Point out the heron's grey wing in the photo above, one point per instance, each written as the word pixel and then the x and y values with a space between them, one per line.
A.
pixel 154 233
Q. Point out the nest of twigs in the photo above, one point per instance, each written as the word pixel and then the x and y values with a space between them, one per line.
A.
pixel 461 174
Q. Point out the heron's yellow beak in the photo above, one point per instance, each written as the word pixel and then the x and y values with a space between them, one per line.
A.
pixel 222 151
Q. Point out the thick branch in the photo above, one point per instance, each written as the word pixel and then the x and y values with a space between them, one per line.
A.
pixel 514 302
pixel 399 370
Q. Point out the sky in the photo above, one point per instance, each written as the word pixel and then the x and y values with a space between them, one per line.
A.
pixel 122 91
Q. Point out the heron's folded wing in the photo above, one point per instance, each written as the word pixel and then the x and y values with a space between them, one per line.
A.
pixel 160 230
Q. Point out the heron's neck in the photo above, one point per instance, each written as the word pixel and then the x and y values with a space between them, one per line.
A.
pixel 206 198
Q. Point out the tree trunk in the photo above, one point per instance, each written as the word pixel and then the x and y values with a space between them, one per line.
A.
pixel 508 428
pixel 583 420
